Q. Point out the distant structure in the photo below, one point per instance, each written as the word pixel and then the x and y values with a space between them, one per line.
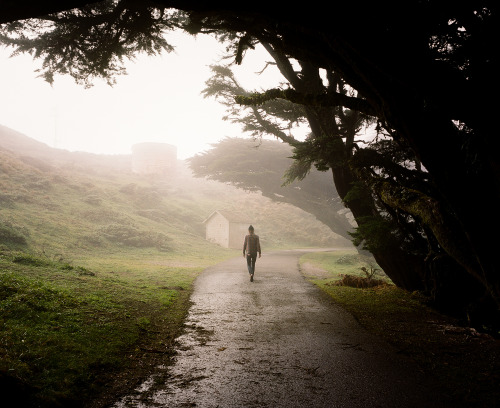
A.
pixel 154 158
pixel 227 228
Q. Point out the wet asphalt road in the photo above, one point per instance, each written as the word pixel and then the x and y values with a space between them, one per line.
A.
pixel 278 342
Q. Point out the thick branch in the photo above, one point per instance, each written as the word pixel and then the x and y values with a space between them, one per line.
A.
pixel 19 10
pixel 429 210
pixel 269 128
pixel 321 100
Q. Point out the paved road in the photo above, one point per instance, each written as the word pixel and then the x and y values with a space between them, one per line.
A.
pixel 278 342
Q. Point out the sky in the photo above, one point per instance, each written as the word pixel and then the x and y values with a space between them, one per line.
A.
pixel 158 101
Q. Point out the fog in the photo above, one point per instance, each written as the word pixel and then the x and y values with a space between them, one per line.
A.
pixel 158 101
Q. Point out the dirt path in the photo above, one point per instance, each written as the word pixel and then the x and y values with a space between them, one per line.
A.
pixel 278 342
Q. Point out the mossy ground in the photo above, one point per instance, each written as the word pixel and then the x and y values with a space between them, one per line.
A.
pixel 466 362
pixel 66 331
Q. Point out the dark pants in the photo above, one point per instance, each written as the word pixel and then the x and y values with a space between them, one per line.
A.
pixel 251 258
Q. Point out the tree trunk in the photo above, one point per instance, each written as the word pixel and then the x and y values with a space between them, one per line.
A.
pixel 405 270
pixel 466 183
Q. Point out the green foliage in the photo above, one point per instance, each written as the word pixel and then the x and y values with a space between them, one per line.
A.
pixel 340 263
pixel 143 323
pixel 93 41
pixel 370 271
pixel 348 259
pixel 372 233
pixel 276 118
pixel 12 236
pixel 131 236
pixel 357 192
pixel 44 262
pixel 27 259
pixel 47 338
pixel 359 282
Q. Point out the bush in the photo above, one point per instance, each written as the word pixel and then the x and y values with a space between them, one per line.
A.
pixel 13 236
pixel 94 240
pixel 148 199
pixel 27 259
pixel 105 216
pixel 131 236
pixel 6 200
pixel 359 281
pixel 39 185
pixel 152 214
pixel 31 260
pixel 349 259
pixel 92 199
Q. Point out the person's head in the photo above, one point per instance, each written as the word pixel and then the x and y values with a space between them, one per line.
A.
pixel 250 229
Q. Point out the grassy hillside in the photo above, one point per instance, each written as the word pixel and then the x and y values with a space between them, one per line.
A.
pixel 76 204
pixel 97 264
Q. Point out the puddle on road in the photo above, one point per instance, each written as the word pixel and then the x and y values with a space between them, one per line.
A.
pixel 153 388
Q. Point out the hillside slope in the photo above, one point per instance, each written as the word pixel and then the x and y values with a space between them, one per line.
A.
pixel 78 202
pixel 97 266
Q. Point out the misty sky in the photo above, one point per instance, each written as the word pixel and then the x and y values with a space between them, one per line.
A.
pixel 158 101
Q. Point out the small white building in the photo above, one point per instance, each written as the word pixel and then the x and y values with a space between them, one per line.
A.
pixel 227 228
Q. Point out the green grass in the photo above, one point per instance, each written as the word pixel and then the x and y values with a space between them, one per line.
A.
pixel 64 329
pixel 88 282
pixel 57 341
pixel 342 262
pixel 463 362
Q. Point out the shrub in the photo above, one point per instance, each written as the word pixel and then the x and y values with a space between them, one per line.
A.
pixel 39 185
pixel 105 216
pixel 83 271
pixel 13 236
pixel 349 259
pixel 6 200
pixel 92 199
pixel 148 199
pixel 27 259
pixel 31 260
pixel 359 281
pixel 94 240
pixel 152 214
pixel 131 236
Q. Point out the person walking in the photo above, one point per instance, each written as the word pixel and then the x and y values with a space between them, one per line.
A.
pixel 251 247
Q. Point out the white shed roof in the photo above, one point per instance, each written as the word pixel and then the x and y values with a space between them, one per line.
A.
pixel 231 216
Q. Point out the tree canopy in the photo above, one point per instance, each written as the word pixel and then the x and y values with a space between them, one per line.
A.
pixel 260 166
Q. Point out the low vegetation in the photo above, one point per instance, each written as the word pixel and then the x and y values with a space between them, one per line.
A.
pixel 97 266
pixel 65 330
pixel 462 359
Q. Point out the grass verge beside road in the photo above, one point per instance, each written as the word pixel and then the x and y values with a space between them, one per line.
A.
pixel 466 362
pixel 67 331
